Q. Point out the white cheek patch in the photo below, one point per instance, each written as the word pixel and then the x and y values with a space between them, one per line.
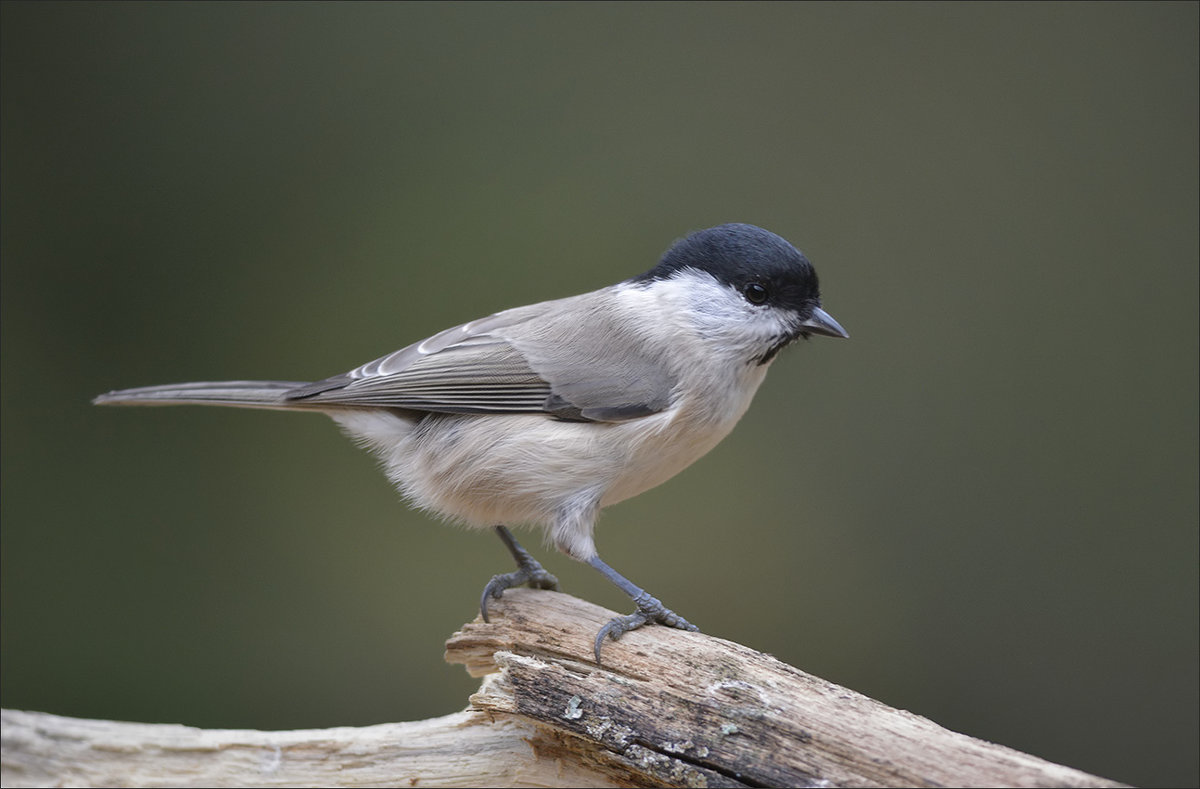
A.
pixel 721 313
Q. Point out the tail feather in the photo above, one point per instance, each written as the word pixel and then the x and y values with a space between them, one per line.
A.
pixel 243 394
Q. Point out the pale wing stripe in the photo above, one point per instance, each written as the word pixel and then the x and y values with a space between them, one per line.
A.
pixel 479 373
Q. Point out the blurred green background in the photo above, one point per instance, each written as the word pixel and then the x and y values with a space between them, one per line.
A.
pixel 982 508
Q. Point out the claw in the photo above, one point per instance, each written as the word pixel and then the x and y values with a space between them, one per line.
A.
pixel 649 610
pixel 529 572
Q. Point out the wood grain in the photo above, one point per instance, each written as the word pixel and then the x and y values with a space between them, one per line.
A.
pixel 666 708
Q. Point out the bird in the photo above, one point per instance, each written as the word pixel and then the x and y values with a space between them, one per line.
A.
pixel 543 415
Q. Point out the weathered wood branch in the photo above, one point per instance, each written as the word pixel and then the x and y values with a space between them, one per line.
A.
pixel 667 708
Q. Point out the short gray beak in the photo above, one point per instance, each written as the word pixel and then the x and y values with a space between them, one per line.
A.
pixel 822 322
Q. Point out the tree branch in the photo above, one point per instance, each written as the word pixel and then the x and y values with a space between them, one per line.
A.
pixel 667 708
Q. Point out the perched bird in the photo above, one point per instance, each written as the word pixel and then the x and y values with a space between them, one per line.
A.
pixel 547 413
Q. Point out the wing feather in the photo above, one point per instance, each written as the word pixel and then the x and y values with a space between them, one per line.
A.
pixel 515 361
pixel 469 377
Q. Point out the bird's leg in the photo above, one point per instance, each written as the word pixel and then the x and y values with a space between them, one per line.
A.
pixel 528 571
pixel 649 609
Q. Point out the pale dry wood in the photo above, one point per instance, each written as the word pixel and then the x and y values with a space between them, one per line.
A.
pixel 689 709
pixel 467 748
pixel 667 708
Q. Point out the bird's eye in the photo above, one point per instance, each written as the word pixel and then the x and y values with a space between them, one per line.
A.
pixel 755 293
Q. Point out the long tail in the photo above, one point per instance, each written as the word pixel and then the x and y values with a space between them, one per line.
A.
pixel 241 394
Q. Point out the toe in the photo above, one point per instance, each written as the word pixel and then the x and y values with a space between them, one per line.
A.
pixel 494 589
pixel 544 580
pixel 615 628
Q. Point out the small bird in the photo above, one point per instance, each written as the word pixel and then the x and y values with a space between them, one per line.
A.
pixel 545 414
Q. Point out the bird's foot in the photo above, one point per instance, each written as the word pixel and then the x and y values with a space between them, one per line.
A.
pixel 649 610
pixel 529 571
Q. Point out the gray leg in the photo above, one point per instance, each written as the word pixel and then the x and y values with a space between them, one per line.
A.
pixel 528 571
pixel 649 609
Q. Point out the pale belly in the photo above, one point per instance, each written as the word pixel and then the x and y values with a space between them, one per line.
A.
pixel 517 469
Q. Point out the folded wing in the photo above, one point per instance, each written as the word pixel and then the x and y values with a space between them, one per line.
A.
pixel 508 363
